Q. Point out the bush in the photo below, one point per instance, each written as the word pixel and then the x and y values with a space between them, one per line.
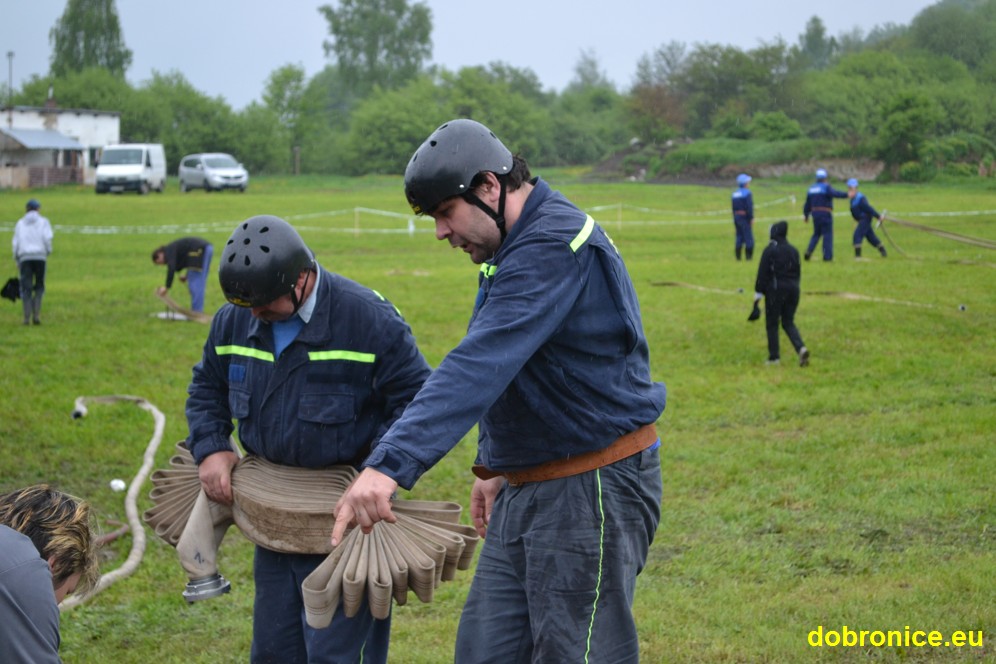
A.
pixel 714 153
pixel 774 127
pixel 915 171
pixel 961 170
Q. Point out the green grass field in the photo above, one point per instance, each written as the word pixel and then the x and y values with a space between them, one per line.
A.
pixel 856 492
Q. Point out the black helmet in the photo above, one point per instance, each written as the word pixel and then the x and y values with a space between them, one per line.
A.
pixel 446 163
pixel 261 261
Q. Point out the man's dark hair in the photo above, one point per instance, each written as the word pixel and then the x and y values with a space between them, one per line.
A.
pixel 518 176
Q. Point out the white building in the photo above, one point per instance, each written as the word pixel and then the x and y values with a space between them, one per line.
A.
pixel 41 146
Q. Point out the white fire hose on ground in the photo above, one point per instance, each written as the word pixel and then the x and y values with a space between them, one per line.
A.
pixel 131 508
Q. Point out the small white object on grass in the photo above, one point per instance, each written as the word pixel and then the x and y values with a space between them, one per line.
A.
pixel 118 484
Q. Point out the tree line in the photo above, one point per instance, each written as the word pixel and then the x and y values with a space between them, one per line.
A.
pixel 919 97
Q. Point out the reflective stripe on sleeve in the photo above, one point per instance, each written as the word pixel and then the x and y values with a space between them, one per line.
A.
pixel 582 237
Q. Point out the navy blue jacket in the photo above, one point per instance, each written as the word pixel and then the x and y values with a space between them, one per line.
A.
pixel 819 201
pixel 325 400
pixel 554 363
pixel 862 210
pixel 743 205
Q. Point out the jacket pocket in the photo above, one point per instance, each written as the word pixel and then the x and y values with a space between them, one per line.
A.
pixel 327 424
pixel 238 403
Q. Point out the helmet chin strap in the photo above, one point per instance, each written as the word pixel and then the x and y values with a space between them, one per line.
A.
pixel 299 301
pixel 499 216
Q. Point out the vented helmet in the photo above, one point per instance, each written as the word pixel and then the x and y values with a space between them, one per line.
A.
pixel 446 163
pixel 261 261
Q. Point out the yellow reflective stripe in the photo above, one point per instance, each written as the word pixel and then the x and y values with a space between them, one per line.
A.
pixel 349 355
pixel 582 237
pixel 384 299
pixel 488 270
pixel 244 351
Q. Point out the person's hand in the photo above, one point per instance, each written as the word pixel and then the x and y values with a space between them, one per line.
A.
pixel 215 473
pixel 365 502
pixel 482 501
pixel 183 278
pixel 755 312
pixel 805 219
pixel 162 290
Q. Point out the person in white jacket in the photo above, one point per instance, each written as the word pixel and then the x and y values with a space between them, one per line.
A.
pixel 32 244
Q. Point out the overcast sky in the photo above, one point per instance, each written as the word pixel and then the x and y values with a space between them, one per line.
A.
pixel 228 48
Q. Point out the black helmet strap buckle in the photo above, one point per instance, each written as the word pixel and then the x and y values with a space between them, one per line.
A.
pixel 298 302
pixel 499 216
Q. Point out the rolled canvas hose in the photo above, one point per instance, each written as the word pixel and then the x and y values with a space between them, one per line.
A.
pixel 289 510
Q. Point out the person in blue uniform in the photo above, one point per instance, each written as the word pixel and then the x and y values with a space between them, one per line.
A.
pixel 778 277
pixel 554 369
pixel 315 368
pixel 819 204
pixel 743 217
pixel 863 213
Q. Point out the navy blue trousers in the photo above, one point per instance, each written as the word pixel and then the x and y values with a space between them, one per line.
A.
pixel 864 230
pixel 745 234
pixel 822 228
pixel 281 634
pixel 557 573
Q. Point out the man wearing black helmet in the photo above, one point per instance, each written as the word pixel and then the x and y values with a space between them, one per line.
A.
pixel 315 368
pixel 554 370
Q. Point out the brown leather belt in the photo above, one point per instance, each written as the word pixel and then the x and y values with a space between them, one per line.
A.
pixel 822 209
pixel 621 448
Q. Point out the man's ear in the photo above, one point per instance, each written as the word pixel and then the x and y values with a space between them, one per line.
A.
pixel 490 189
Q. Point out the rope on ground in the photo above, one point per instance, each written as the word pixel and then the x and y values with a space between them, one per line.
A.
pixel 131 508
pixel 948 235
pixel 841 294
pixel 868 298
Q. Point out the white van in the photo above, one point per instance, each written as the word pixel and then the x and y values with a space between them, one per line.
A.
pixel 137 167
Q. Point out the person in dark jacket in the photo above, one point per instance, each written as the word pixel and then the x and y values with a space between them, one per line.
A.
pixel 315 368
pixel 778 277
pixel 192 254
pixel 819 204
pixel 555 371
pixel 743 217
pixel 863 213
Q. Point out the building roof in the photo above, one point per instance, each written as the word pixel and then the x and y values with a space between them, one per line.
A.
pixel 39 139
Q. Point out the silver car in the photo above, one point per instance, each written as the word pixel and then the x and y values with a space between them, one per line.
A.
pixel 212 171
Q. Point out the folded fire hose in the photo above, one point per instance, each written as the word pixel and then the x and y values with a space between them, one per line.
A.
pixel 289 510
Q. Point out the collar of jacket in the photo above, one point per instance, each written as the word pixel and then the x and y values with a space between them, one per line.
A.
pixel 317 331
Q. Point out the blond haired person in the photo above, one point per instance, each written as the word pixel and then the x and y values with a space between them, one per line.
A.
pixel 47 551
